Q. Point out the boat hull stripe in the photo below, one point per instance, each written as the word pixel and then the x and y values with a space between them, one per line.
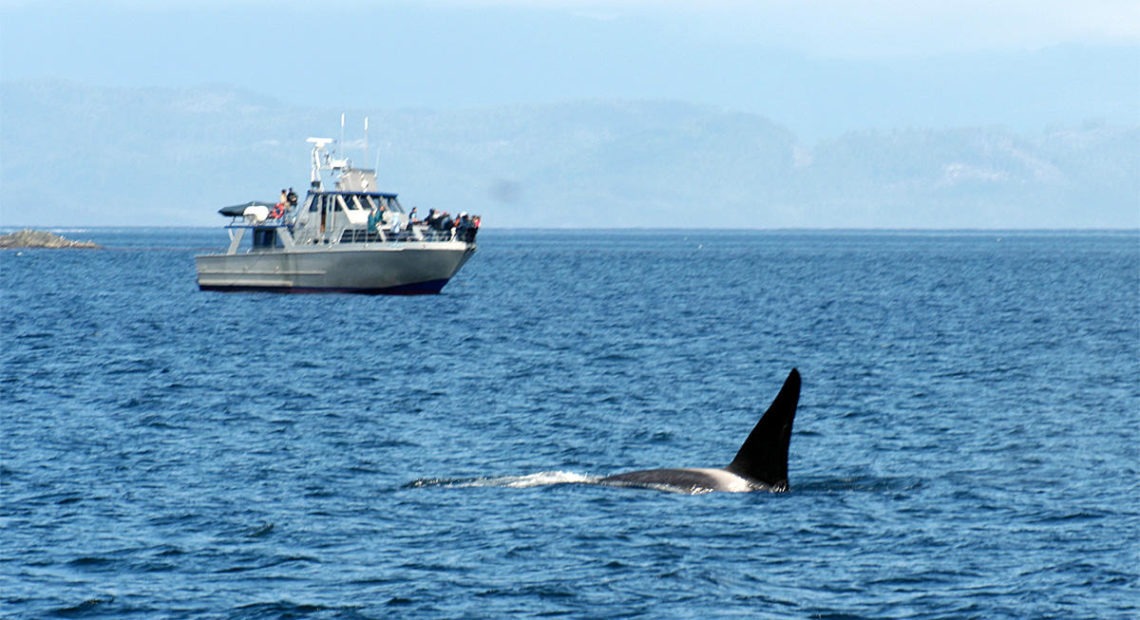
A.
pixel 430 287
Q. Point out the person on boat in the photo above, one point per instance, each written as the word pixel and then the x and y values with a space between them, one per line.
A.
pixel 279 208
pixel 460 226
pixel 470 228
pixel 382 217
pixel 291 199
pixel 412 221
pixel 375 218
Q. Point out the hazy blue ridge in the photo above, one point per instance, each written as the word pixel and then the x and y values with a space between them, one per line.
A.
pixel 75 154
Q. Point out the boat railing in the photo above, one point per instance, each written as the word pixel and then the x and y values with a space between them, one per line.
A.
pixel 239 222
pixel 415 233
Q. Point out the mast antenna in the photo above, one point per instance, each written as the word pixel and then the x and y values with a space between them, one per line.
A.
pixel 341 143
pixel 319 145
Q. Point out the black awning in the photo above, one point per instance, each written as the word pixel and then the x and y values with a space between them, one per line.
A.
pixel 239 210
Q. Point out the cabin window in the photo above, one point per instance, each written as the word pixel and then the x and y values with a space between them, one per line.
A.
pixel 265 238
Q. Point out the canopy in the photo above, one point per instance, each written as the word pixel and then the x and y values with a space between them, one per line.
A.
pixel 239 210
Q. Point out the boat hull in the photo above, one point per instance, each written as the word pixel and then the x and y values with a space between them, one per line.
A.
pixel 387 269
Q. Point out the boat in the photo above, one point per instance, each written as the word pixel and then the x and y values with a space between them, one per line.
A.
pixel 350 238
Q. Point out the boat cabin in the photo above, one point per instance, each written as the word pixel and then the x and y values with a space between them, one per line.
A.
pixel 353 212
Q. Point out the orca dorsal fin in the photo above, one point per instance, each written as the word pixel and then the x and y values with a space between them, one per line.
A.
pixel 764 455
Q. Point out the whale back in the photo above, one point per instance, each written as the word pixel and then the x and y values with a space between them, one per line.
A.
pixel 761 463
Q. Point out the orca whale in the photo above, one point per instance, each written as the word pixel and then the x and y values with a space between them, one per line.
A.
pixel 760 465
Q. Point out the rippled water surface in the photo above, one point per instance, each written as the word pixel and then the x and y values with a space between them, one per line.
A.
pixel 966 443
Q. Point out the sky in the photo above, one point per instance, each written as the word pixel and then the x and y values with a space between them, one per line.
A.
pixel 820 68
pixel 765 56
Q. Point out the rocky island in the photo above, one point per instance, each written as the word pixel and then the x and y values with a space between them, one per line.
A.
pixel 41 239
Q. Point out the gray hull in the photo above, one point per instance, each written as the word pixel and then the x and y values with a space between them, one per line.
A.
pixel 404 268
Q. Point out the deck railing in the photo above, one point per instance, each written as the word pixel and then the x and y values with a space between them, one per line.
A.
pixel 418 233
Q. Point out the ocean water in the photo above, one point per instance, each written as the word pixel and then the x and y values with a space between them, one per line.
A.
pixel 967 443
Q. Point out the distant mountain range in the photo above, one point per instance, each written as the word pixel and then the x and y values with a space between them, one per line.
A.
pixel 79 155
